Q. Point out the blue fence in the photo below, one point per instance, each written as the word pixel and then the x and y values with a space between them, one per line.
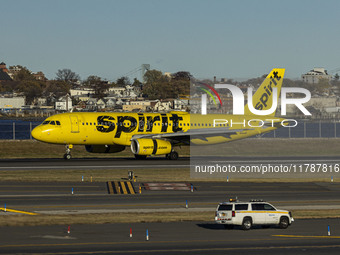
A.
pixel 16 129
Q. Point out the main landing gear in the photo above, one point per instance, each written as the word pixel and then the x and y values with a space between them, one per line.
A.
pixel 172 155
pixel 67 155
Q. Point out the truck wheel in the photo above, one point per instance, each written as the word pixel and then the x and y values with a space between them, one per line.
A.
pixel 284 222
pixel 247 224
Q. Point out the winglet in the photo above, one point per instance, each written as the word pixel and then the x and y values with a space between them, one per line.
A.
pixel 263 97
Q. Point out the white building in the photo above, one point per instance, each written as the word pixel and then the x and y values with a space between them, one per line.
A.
pixel 314 75
pixel 12 102
pixel 79 92
pixel 63 105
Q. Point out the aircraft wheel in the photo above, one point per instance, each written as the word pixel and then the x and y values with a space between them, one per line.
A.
pixel 173 155
pixel 67 156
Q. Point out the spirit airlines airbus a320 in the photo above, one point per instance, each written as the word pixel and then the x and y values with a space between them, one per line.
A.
pixel 159 133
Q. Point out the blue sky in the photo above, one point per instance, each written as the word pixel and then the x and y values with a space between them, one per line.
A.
pixel 232 39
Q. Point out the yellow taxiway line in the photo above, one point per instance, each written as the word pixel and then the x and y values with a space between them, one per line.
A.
pixel 16 211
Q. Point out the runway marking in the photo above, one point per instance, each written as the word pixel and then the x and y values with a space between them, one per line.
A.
pixel 16 211
pixel 130 186
pixel 298 236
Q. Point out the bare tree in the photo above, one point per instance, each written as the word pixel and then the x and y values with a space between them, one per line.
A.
pixel 67 75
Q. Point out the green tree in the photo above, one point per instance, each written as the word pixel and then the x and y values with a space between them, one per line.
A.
pixel 32 90
pixel 23 75
pixel 159 86
pixel 57 88
pixel 153 76
pixel 136 82
pixel 122 81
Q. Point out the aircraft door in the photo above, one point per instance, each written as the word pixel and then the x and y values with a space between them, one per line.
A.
pixel 74 124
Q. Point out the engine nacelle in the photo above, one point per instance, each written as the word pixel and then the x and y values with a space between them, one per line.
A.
pixel 150 147
pixel 104 148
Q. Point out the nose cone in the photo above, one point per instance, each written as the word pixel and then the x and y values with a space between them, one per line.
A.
pixel 36 133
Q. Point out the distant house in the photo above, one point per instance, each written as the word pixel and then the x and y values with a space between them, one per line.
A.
pixel 63 104
pixel 4 76
pixel 313 76
pixel 118 91
pixel 162 106
pixel 100 104
pixel 82 92
pixel 91 104
pixel 110 103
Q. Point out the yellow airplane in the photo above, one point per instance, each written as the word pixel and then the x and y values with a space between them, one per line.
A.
pixel 158 133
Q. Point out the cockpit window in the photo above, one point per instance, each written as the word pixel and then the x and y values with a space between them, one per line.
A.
pixel 46 122
pixel 52 122
pixel 58 122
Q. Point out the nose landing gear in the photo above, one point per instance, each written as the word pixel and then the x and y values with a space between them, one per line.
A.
pixel 67 155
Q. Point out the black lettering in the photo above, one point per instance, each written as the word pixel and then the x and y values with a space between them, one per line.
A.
pixel 259 106
pixel 267 90
pixel 105 124
pixel 126 129
pixel 164 122
pixel 274 82
pixel 175 122
pixel 264 99
pixel 150 122
pixel 141 121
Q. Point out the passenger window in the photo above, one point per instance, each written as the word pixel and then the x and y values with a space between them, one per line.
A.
pixel 91 123
pixel 268 207
pixel 241 207
pixel 52 123
pixel 257 207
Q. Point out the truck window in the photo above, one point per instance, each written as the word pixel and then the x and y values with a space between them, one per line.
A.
pixel 257 207
pixel 241 207
pixel 268 207
pixel 225 208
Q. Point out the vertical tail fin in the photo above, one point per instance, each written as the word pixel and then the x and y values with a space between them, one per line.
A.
pixel 263 97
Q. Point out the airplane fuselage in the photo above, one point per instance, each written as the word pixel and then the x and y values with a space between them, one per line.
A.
pixel 105 128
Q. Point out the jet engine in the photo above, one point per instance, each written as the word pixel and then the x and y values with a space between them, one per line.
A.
pixel 150 147
pixel 104 148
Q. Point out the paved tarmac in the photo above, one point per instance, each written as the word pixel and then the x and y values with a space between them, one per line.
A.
pixel 152 162
pixel 302 237
pixel 56 197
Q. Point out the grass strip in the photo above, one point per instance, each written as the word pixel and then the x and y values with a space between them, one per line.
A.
pixel 41 220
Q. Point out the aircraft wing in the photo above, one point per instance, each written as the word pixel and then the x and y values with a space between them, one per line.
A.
pixel 185 137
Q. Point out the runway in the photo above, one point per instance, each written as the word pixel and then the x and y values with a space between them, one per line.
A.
pixel 152 162
pixel 303 236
